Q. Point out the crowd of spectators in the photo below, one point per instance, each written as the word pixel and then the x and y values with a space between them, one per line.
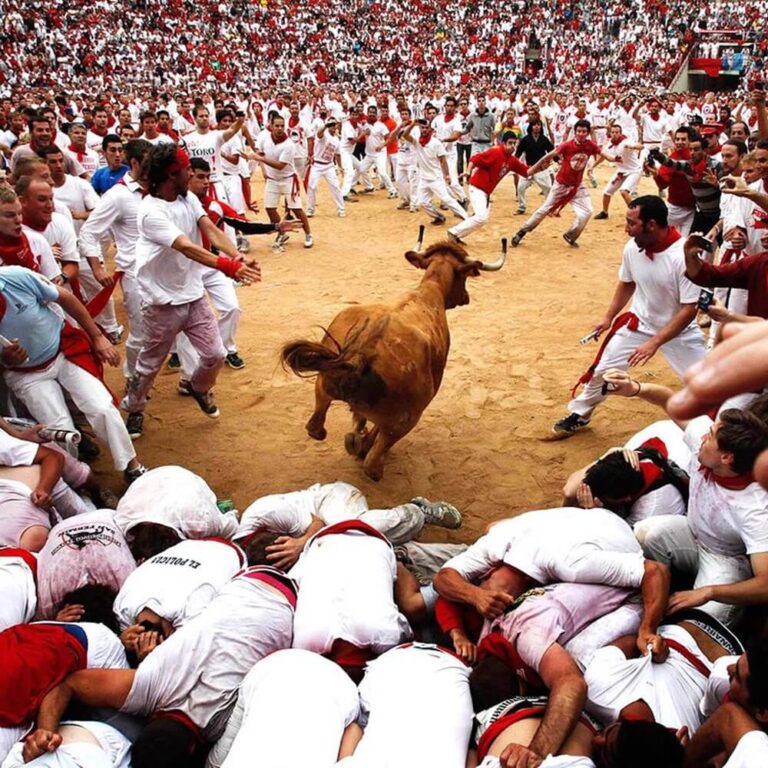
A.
pixel 379 42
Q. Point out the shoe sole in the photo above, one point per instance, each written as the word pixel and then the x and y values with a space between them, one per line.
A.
pixel 235 367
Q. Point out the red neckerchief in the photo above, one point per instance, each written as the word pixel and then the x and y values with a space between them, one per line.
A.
pixel 17 252
pixel 616 143
pixel 737 483
pixel 669 239
pixel 99 131
pixel 654 117
pixel 697 171
pixel 424 140
pixel 293 121
pixel 280 141
pixel 80 155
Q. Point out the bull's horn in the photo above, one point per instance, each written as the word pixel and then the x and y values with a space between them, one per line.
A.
pixel 494 266
pixel 420 242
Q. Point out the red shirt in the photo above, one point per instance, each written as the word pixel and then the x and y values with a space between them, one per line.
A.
pixel 492 166
pixel 680 192
pixel 751 273
pixel 574 157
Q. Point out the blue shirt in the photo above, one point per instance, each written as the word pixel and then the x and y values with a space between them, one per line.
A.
pixel 104 179
pixel 27 316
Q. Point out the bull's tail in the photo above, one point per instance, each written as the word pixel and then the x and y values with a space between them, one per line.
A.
pixel 306 358
pixel 346 376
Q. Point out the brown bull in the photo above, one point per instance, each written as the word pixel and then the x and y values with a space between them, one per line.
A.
pixel 387 360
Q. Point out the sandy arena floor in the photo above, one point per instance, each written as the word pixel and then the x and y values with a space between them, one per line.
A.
pixel 482 443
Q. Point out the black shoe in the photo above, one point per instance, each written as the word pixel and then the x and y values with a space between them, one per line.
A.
pixel 135 425
pixel 517 239
pixel 184 388
pixel 134 474
pixel 601 216
pixel 206 403
pixel 569 425
pixel 438 220
pixel 87 450
pixel 454 239
pixel 173 361
pixel 234 360
pixel 570 239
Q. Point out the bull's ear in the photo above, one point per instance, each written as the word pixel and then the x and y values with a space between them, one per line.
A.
pixel 416 258
pixel 471 268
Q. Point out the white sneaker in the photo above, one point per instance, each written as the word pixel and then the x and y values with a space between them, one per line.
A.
pixel 392 195
pixel 308 241
pixel 342 214
pixel 310 214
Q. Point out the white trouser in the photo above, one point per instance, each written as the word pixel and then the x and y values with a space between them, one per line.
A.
pixel 542 179
pixel 580 202
pixel 89 287
pixel 325 171
pixel 219 191
pixel 668 539
pixel 351 167
pixel 132 305
pixel 452 159
pixel 234 188
pixel 681 218
pixel 481 208
pixel 681 352
pixel 41 392
pixel 393 163
pixel 378 161
pixel 223 296
pixel 407 183
pixel 439 189
pixel 622 181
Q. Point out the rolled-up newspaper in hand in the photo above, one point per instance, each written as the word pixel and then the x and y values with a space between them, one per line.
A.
pixel 67 438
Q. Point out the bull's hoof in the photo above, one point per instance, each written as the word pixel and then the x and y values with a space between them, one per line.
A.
pixel 375 473
pixel 353 443
pixel 317 434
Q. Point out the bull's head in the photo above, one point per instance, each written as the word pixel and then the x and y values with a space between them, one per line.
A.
pixel 454 255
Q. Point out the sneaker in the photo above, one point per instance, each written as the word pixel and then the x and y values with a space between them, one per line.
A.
pixel 392 195
pixel 280 241
pixel 206 403
pixel 517 239
pixel 464 204
pixel 115 335
pixel 520 212
pixel 134 474
pixel 289 215
pixel 354 192
pixel 454 239
pixel 368 191
pixel 403 206
pixel 413 210
pixel 342 214
pixel 135 425
pixel 308 241
pixel 593 182
pixel 233 360
pixel 570 239
pixel 173 361
pixel 243 246
pixel 438 512
pixel 310 214
pixel 438 220
pixel 349 199
pixel 87 450
pixel 602 216
pixel 569 425
pixel 184 388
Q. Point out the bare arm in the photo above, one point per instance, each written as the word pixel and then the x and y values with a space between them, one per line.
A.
pixel 453 586
pixel 233 129
pixel 655 593
pixel 349 740
pixel 246 271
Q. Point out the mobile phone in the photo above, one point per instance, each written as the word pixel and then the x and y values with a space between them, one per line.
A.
pixel 703 243
pixel 590 336
pixel 706 297
pixel 727 183
pixel 239 113
pixel 608 387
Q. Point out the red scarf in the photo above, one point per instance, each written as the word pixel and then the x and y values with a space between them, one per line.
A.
pixel 80 155
pixel 737 483
pixel 18 253
pixel 424 140
pixel 669 239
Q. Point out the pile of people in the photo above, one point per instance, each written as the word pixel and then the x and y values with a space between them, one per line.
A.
pixel 623 626
pixel 383 44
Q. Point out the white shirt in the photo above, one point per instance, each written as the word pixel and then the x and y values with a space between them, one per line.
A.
pixel 284 152
pixel 349 135
pixel 725 521
pixel 178 583
pixel 61 232
pixel 41 250
pixel 115 215
pixel 94 142
pixel 654 130
pixel 592 546
pixel 333 606
pixel 444 128
pixel 199 668
pixel 428 158
pixel 208 147
pixel 88 160
pixel 326 148
pixel 661 287
pixel 259 730
pixel 165 275
pixel 78 195
pixel 18 596
pixel 161 138
pixel 627 160
pixel 374 141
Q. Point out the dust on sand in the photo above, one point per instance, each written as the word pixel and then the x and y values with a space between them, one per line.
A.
pixel 482 442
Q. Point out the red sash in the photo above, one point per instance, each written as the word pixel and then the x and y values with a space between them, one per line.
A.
pixel 352 525
pixel 22 554
pixel 18 253
pixel 628 319
pixel 35 659
pixel 689 657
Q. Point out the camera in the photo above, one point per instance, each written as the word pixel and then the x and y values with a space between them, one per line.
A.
pixel 706 297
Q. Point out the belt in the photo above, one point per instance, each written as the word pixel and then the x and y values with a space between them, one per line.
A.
pixel 481 141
